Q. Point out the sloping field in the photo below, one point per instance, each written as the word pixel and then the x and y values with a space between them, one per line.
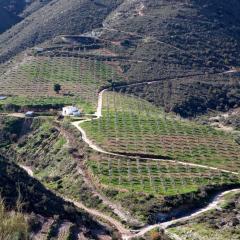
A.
pixel 154 163
pixel 31 82
pixel 162 178
pixel 135 127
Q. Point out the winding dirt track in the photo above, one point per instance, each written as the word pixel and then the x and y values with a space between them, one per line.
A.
pixel 213 205
pixel 116 224
pixel 128 234
pixel 27 169
pixel 116 208
pixel 122 230
pixel 95 147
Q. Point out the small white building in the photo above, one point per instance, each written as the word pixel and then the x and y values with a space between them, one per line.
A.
pixel 71 111
pixel 38 49
pixel 3 97
pixel 30 114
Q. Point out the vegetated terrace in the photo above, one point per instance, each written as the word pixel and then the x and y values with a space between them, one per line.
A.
pixel 158 177
pixel 131 125
pixel 30 83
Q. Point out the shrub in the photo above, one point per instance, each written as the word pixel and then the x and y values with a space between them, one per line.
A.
pixel 13 225
pixel 57 87
pixel 155 235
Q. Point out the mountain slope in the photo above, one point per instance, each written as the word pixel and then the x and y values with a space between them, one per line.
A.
pixel 12 12
pixel 178 38
pixel 192 36
pixel 7 19
pixel 162 40
pixel 183 46
pixel 56 18
pixel 16 184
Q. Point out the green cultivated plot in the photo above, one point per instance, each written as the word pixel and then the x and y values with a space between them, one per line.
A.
pixel 134 126
pixel 31 82
pixel 153 176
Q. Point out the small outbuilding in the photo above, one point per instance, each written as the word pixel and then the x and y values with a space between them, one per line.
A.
pixel 71 111
pixel 30 114
pixel 38 50
pixel 3 97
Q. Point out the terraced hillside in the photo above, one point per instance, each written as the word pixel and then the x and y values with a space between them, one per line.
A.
pixel 181 42
pixel 30 83
pixel 145 156
pixel 134 126
pixel 166 40
pixel 149 162
pixel 164 178
pixel 134 68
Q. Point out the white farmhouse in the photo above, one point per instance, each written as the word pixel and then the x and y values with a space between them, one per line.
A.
pixel 71 111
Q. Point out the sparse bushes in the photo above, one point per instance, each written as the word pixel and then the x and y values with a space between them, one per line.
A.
pixel 155 235
pixel 237 139
pixel 34 196
pixel 158 234
pixel 13 225
pixel 34 223
pixel 191 96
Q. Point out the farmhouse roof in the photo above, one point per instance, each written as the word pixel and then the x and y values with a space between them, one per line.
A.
pixel 3 97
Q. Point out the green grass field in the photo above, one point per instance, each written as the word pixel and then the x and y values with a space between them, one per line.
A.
pixel 131 125
pixel 64 69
